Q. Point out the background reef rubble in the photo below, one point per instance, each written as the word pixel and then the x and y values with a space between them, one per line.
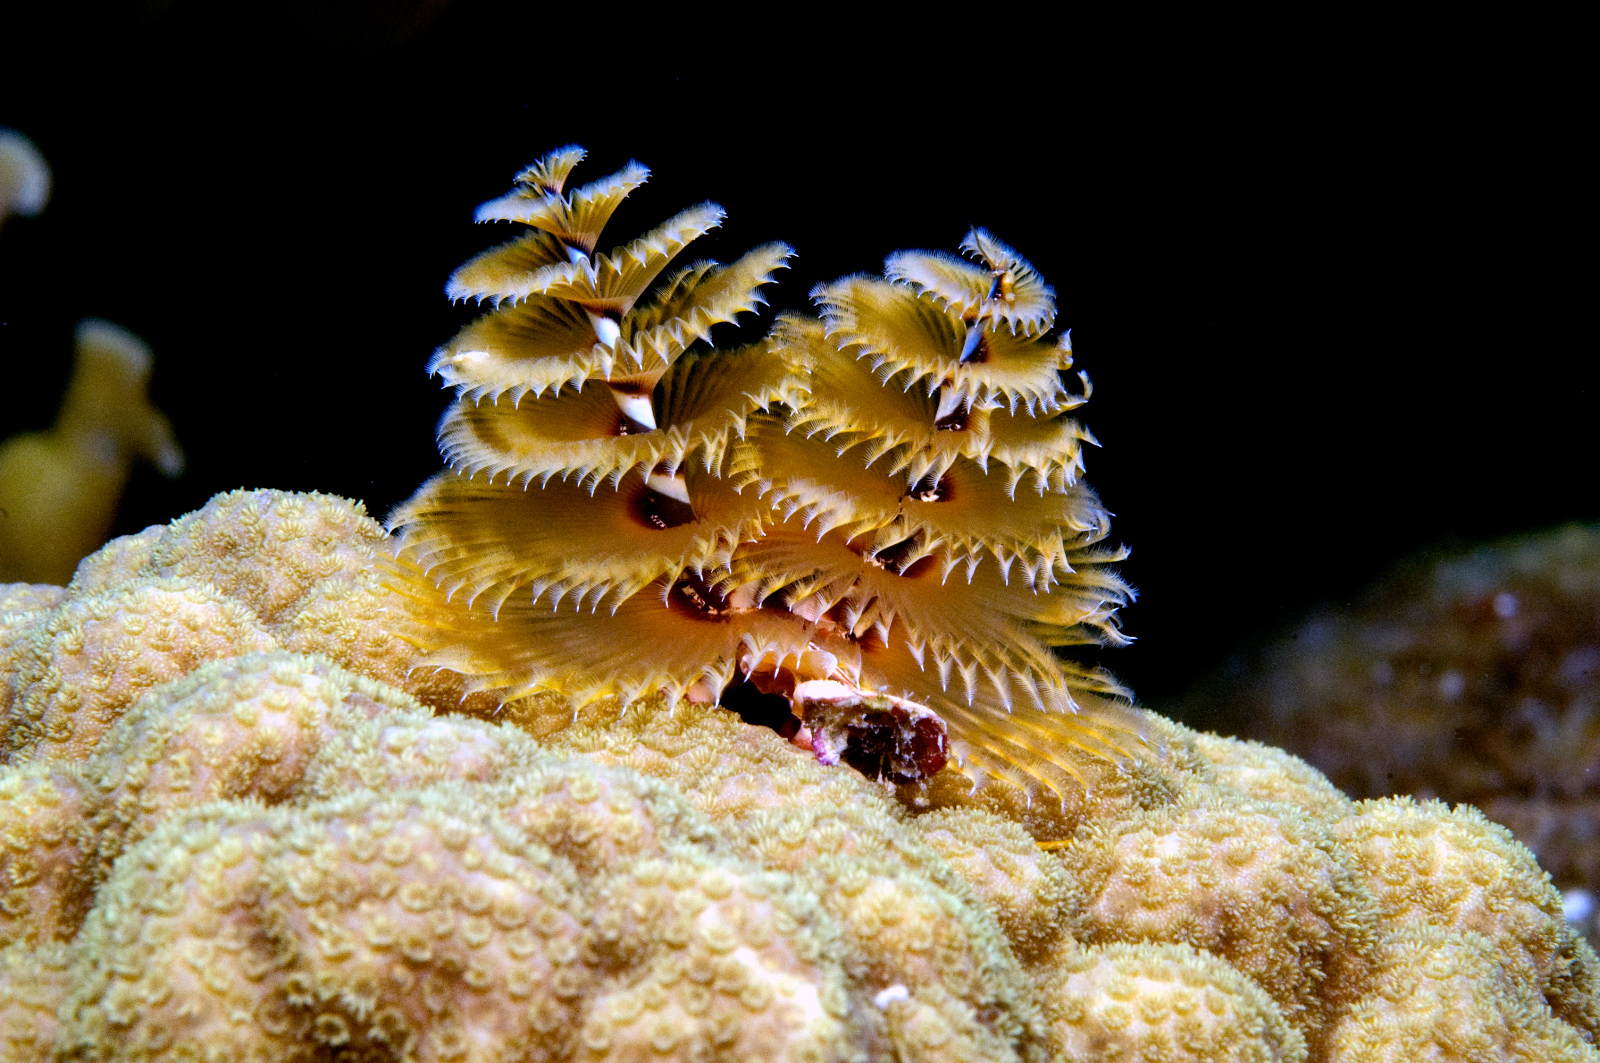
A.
pixel 234 822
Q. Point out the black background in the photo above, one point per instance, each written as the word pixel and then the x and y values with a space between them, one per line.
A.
pixel 1335 309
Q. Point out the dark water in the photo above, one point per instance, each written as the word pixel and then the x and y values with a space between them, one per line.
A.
pixel 1325 327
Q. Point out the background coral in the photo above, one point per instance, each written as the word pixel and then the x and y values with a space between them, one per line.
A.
pixel 1481 672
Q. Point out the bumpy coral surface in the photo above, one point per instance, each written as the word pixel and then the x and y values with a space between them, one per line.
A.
pixel 947 967
pixel 1482 673
pixel 43 808
pixel 275 856
pixel 1456 870
pixel 438 924
pixel 1265 888
pixel 33 983
pixel 1446 996
pixel 886 499
pixel 1165 1003
pixel 252 571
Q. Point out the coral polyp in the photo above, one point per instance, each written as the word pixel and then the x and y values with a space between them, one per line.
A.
pixel 886 500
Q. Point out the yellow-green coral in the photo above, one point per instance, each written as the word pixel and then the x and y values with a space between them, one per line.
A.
pixel 246 727
pixel 33 985
pixel 45 849
pixel 1164 1004
pixel 427 923
pixel 905 914
pixel 1455 870
pixel 1028 889
pixel 1446 996
pixel 1265 888
pixel 96 655
pixel 23 607
pixel 285 729
pixel 252 571
pixel 267 550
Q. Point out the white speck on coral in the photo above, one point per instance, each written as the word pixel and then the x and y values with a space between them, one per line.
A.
pixel 1505 605
pixel 1577 905
pixel 1451 685
pixel 890 995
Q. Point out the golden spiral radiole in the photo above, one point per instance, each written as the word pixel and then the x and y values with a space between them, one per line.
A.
pixel 880 510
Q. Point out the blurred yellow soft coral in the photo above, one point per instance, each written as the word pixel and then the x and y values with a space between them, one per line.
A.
pixel 59 489
pixel 242 847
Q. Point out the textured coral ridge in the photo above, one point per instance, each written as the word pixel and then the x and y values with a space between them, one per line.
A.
pixel 252 571
pixel 257 853
pixel 887 498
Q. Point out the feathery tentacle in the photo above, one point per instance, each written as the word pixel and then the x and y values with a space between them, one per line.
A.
pixel 886 501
